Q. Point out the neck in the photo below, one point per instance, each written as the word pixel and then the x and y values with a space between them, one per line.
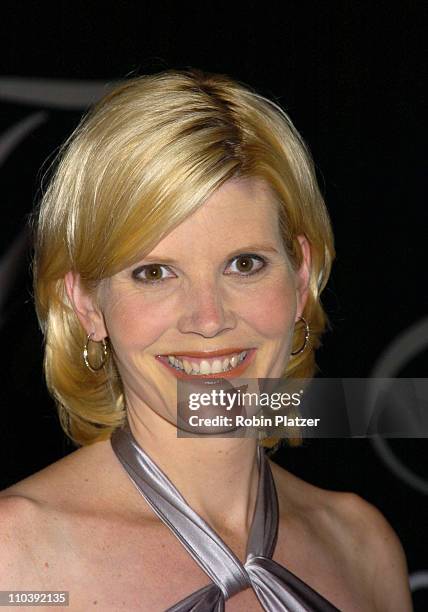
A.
pixel 218 477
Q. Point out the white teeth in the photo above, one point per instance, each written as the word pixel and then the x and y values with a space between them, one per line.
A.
pixel 216 366
pixel 187 366
pixel 207 367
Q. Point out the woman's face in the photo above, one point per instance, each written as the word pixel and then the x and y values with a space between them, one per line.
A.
pixel 216 297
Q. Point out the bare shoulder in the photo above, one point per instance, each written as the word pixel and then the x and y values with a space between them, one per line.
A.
pixel 36 513
pixel 78 486
pixel 380 550
pixel 20 519
pixel 65 483
pixel 356 533
pixel 25 528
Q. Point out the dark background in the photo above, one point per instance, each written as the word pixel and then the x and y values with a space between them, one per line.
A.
pixel 351 76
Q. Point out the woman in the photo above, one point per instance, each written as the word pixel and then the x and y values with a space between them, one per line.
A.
pixel 183 236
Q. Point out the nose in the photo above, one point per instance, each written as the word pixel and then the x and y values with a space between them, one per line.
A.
pixel 207 311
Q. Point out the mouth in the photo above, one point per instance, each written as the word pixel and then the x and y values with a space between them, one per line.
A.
pixel 214 364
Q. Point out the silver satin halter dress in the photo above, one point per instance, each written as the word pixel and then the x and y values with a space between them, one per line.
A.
pixel 276 588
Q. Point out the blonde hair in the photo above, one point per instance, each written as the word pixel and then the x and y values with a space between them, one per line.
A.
pixel 146 157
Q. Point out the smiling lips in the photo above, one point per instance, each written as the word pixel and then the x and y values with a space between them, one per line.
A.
pixel 221 363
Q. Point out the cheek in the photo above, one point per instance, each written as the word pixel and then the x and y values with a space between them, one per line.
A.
pixel 271 312
pixel 135 322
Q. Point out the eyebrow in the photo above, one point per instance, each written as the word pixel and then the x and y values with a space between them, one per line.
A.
pixel 264 247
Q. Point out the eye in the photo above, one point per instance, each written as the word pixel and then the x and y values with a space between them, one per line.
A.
pixel 151 273
pixel 247 264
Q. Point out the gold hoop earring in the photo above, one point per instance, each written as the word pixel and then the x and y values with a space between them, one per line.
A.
pixel 307 334
pixel 86 355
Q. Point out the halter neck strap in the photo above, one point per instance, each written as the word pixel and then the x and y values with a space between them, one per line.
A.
pixel 228 574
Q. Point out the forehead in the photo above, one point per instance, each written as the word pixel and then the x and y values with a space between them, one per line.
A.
pixel 239 211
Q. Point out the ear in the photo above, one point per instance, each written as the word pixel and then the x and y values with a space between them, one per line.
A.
pixel 303 275
pixel 88 313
